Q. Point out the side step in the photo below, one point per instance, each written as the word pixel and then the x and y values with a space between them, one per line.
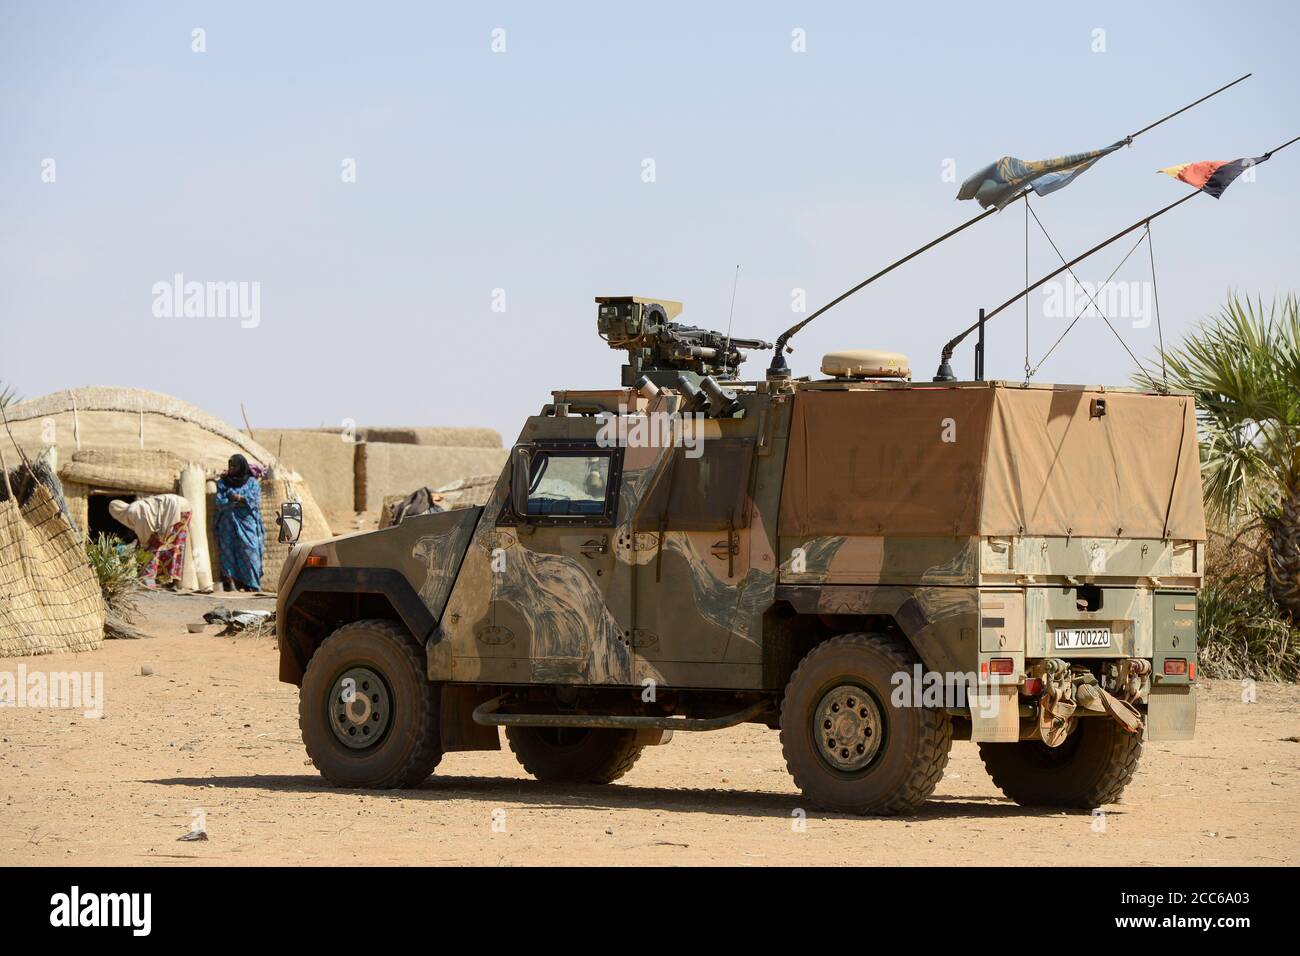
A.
pixel 487 714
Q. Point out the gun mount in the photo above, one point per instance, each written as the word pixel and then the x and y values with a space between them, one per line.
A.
pixel 660 348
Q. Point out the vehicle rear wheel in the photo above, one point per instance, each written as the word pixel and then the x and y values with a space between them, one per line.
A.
pixel 1089 769
pixel 574 754
pixel 368 716
pixel 846 747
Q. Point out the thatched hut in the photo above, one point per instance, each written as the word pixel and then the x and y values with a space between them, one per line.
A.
pixel 127 443
pixel 49 597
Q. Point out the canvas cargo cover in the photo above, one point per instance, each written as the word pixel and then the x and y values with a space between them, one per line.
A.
pixel 874 462
pixel 979 460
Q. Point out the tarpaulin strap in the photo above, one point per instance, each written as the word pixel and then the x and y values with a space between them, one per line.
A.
pixel 1091 696
pixel 1128 716
pixel 1136 680
pixel 1056 705
pixel 1065 689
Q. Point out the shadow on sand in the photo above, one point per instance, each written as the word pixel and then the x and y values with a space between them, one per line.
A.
pixel 530 793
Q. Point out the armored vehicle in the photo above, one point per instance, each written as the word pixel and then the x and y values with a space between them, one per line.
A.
pixel 874 567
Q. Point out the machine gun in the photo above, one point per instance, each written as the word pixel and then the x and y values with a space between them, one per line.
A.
pixel 661 349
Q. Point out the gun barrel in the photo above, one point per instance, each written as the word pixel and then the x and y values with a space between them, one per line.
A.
pixel 657 345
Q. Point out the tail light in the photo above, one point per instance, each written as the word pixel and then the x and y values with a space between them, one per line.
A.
pixel 1002 665
pixel 1175 667
pixel 1033 686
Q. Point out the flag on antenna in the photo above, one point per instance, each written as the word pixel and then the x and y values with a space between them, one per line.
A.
pixel 999 183
pixel 1212 176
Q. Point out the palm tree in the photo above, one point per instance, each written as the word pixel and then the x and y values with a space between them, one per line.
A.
pixel 1243 366
pixel 7 395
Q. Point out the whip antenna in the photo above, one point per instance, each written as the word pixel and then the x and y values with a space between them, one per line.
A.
pixel 779 367
pixel 731 314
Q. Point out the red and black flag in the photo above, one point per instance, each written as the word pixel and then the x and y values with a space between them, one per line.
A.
pixel 1213 176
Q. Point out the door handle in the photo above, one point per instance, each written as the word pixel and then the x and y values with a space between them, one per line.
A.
pixel 729 548
pixel 593 547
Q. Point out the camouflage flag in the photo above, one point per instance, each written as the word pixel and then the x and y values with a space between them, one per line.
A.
pixel 998 183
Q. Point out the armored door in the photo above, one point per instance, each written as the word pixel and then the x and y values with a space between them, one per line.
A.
pixel 693 574
pixel 557 586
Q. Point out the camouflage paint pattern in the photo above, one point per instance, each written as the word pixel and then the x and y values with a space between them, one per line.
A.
pixel 940 622
pixel 425 549
pixel 626 601
pixel 877 559
pixel 530 606
pixel 699 609
pixel 616 605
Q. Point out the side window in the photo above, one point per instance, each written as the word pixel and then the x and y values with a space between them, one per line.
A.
pixel 569 485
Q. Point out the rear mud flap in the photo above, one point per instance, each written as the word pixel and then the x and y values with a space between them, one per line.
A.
pixel 1171 712
pixel 995 717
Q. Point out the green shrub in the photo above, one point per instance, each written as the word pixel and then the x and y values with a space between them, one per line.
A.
pixel 116 565
pixel 1244 633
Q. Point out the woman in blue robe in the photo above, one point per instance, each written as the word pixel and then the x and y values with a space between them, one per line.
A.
pixel 241 535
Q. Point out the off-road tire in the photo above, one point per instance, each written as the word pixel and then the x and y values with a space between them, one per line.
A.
pixel 593 755
pixel 1090 769
pixel 915 742
pixel 411 745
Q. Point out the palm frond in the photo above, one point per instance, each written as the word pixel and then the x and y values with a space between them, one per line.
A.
pixel 1243 366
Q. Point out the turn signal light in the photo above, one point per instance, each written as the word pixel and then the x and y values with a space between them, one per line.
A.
pixel 317 561
pixel 1002 665
pixel 1191 671
pixel 1175 667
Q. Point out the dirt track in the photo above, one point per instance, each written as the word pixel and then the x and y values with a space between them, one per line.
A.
pixel 213 731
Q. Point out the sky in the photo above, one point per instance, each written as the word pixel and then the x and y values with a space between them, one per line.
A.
pixel 424 199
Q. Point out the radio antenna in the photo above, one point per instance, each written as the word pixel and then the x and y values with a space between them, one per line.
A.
pixel 779 366
pixel 731 314
pixel 945 373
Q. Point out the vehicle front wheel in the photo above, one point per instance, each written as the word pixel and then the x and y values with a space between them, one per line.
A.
pixel 368 716
pixel 846 746
pixel 574 754
pixel 1090 768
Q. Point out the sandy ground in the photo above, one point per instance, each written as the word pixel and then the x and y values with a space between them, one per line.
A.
pixel 211 732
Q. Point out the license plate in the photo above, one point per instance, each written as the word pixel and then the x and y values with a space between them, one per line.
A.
pixel 1082 638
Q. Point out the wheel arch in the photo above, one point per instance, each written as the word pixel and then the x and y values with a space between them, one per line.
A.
pixel 323 599
pixel 940 624
pixel 792 629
